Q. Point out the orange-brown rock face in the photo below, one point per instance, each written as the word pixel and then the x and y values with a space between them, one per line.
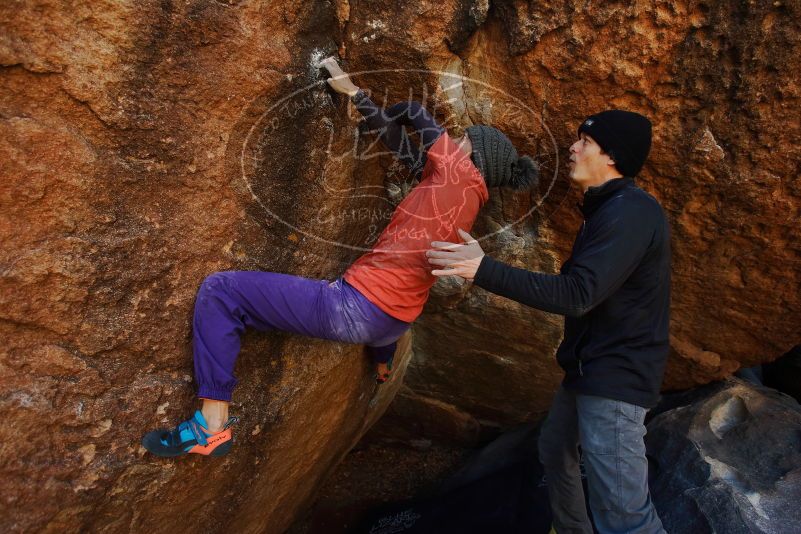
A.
pixel 138 156
pixel 148 144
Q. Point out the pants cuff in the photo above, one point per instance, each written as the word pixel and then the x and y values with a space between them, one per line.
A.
pixel 208 392
pixel 381 354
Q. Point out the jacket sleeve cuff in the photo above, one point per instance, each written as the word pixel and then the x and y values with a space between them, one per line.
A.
pixel 484 274
pixel 358 97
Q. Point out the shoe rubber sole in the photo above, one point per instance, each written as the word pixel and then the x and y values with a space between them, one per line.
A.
pixel 152 442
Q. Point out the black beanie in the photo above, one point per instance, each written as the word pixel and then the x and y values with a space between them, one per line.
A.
pixel 624 135
pixel 495 156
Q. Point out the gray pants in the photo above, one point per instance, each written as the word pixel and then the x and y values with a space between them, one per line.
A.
pixel 610 433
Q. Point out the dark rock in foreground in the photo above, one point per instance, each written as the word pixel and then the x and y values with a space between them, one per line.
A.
pixel 500 490
pixel 729 463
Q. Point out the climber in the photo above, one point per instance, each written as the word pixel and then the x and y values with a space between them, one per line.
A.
pixel 379 295
pixel 614 291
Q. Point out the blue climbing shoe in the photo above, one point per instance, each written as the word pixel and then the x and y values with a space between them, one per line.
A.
pixel 381 378
pixel 190 437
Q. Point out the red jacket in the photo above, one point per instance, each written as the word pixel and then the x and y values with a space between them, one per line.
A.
pixel 395 275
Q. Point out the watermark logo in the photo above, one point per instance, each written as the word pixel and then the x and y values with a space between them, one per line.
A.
pixel 362 178
pixel 398 522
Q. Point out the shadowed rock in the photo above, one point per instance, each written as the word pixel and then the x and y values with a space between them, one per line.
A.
pixel 728 462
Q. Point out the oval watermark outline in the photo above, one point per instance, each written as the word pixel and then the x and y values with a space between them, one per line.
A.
pixel 459 77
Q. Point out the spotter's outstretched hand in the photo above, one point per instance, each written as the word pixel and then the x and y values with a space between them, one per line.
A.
pixel 459 259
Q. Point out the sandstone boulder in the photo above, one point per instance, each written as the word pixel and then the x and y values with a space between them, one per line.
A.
pixel 139 155
pixel 148 144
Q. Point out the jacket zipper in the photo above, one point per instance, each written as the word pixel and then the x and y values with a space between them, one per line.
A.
pixel 581 371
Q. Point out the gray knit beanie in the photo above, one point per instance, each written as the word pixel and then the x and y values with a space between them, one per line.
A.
pixel 496 158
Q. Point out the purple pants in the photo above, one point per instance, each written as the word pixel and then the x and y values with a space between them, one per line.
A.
pixel 228 302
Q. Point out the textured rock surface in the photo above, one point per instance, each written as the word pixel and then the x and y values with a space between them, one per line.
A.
pixel 123 129
pixel 713 470
pixel 147 144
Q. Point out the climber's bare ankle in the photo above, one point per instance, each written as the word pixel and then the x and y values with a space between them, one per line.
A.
pixel 215 413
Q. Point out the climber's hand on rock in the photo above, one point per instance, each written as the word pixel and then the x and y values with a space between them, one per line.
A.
pixel 339 80
pixel 460 259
